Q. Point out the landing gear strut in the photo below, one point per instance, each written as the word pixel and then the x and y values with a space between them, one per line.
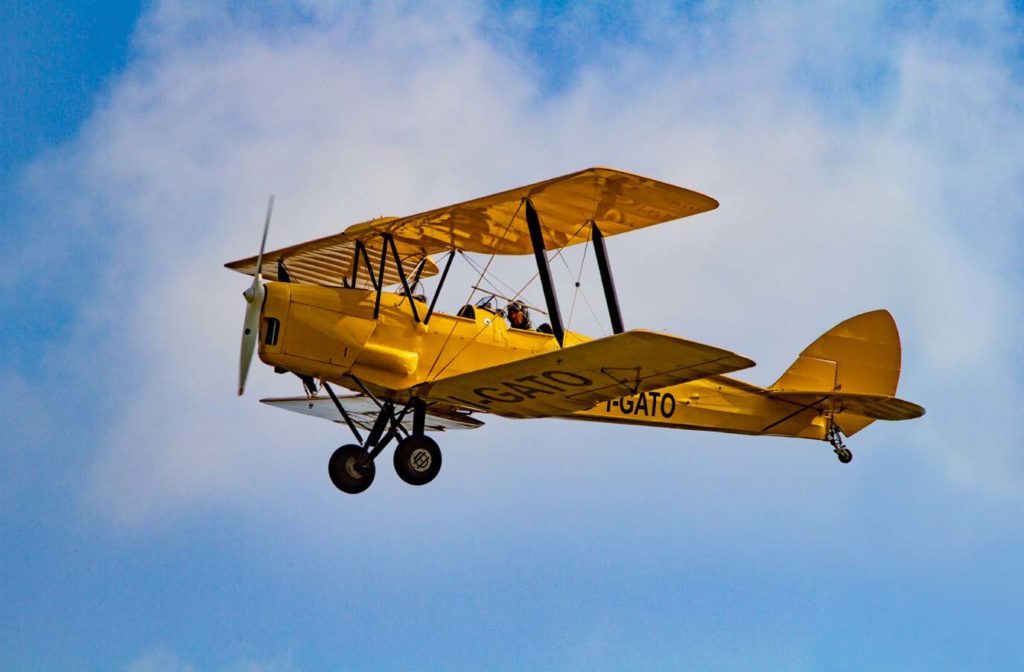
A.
pixel 835 437
pixel 417 457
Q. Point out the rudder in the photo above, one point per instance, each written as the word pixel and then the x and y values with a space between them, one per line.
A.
pixel 860 355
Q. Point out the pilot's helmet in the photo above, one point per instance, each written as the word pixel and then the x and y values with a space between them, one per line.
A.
pixel 516 307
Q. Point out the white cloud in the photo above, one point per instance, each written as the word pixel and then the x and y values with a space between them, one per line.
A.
pixel 854 172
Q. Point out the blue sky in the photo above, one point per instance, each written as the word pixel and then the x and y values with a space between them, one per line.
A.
pixel 864 157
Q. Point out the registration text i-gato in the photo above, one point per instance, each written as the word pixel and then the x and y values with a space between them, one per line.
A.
pixel 345 310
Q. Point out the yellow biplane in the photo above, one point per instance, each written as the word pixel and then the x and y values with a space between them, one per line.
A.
pixel 345 310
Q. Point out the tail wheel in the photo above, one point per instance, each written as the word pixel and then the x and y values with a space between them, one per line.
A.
pixel 346 472
pixel 834 436
pixel 417 459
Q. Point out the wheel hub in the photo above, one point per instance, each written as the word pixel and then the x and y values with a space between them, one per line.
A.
pixel 420 460
pixel 352 467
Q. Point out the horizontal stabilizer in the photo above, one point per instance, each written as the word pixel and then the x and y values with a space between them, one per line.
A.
pixel 363 412
pixel 576 378
pixel 874 406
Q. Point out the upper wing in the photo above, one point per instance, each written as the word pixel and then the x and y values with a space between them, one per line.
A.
pixel 363 412
pixel 578 377
pixel 615 200
pixel 328 261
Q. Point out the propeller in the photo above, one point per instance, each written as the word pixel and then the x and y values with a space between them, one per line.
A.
pixel 254 298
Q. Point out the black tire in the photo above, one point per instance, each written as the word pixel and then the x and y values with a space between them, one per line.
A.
pixel 346 473
pixel 845 455
pixel 417 460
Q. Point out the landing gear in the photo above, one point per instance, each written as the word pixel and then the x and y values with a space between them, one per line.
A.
pixel 350 471
pixel 835 437
pixel 417 459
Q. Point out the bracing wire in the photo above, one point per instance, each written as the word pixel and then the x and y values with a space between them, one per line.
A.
pixel 597 320
pixel 558 254
pixel 493 283
pixel 484 276
pixel 579 276
pixel 469 300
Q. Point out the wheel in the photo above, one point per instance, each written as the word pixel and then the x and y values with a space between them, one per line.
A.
pixel 346 473
pixel 844 455
pixel 417 460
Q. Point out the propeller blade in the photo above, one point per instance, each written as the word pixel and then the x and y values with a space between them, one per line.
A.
pixel 250 330
pixel 266 227
pixel 254 298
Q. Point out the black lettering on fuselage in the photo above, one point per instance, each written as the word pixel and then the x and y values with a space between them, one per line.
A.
pixel 668 405
pixel 659 403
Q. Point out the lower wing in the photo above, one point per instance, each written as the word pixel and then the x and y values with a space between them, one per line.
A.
pixel 364 410
pixel 565 381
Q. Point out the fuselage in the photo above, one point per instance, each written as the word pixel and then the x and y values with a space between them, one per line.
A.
pixel 331 334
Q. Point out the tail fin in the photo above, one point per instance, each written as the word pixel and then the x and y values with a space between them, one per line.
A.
pixel 860 355
pixel 851 371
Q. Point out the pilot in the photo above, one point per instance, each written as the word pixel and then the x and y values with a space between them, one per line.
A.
pixel 518 316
